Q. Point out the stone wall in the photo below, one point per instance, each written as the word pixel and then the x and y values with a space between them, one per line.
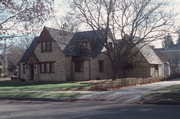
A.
pixel 91 69
pixel 24 75
pixel 56 56
pixel 141 68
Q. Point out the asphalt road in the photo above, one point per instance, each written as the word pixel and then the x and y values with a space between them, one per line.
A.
pixel 85 110
pixel 124 107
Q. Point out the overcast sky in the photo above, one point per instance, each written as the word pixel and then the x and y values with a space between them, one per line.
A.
pixel 61 7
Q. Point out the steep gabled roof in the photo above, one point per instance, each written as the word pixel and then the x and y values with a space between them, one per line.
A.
pixel 29 50
pixel 86 36
pixel 145 49
pixel 149 54
pixel 60 36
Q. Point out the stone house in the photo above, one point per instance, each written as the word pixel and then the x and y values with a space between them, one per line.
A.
pixel 171 57
pixel 58 55
pixel 145 63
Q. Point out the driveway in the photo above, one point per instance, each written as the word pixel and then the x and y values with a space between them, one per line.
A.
pixel 130 94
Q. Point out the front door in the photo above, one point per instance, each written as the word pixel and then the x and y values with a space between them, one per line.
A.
pixel 31 72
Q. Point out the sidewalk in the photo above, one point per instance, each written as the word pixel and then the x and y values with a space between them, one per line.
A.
pixel 125 95
pixel 128 95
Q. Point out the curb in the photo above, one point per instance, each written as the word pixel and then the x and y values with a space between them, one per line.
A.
pixel 158 102
pixel 51 99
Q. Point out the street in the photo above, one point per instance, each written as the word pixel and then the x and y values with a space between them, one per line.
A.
pixel 123 106
pixel 85 110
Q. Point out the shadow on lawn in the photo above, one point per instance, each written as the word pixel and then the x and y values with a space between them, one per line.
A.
pixel 20 83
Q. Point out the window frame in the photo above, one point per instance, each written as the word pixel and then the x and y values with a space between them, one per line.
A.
pixel 79 66
pixel 44 66
pixel 46 46
pixel 156 67
pixel 101 66
pixel 24 68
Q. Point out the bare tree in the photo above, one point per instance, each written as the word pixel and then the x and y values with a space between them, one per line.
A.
pixel 168 41
pixel 135 22
pixel 19 17
pixel 14 53
pixel 25 42
pixel 178 33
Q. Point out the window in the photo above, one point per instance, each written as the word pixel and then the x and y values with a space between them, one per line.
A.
pixel 0 63
pixel 47 68
pixel 110 45
pixel 46 46
pixel 101 66
pixel 156 66
pixel 24 68
pixel 79 66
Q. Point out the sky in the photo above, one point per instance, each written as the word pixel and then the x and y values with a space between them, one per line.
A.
pixel 61 8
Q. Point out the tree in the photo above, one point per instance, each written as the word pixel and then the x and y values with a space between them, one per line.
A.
pixel 14 53
pixel 19 17
pixel 168 41
pixel 135 22
pixel 178 32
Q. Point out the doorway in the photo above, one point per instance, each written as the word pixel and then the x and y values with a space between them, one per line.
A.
pixel 31 72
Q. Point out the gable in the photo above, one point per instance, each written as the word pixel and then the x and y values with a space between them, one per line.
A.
pixel 149 54
pixel 45 36
pixel 85 44
pixel 29 51
pixel 32 59
pixel 61 37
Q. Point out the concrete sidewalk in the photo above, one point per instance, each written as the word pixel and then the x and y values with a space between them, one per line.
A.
pixel 127 95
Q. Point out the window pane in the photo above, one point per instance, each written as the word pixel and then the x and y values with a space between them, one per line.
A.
pixel 52 67
pixel 79 66
pixel 42 68
pixel 101 66
pixel 24 69
pixel 48 46
pixel 44 46
pixel 47 67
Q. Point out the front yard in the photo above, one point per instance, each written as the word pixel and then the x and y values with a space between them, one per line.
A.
pixel 38 86
pixel 167 95
pixel 16 89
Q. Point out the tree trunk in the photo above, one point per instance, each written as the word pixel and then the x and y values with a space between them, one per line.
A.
pixel 114 75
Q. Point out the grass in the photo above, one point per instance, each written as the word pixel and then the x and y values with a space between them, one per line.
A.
pixel 168 95
pixel 39 86
pixel 16 89
pixel 37 94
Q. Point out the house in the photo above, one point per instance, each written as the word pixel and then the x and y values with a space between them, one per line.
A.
pixel 145 62
pixel 171 56
pixel 58 55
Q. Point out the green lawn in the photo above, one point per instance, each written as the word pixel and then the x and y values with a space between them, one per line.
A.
pixel 37 94
pixel 15 89
pixel 168 95
pixel 39 86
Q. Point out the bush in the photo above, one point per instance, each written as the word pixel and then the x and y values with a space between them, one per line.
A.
pixel 174 76
pixel 125 82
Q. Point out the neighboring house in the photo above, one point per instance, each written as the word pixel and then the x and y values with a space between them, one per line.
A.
pixel 145 63
pixel 58 55
pixel 170 56
pixel 3 65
